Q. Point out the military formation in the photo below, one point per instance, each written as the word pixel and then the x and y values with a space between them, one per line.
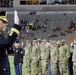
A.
pixel 39 52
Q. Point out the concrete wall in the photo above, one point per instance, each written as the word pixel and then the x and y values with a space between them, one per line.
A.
pixel 41 7
pixel 16 4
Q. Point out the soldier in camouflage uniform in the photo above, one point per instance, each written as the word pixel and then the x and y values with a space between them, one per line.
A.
pixel 64 54
pixel 44 56
pixel 39 44
pixel 54 58
pixel 49 64
pixel 35 57
pixel 74 59
pixel 28 50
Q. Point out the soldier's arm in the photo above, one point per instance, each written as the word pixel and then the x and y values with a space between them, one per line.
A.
pixel 57 53
pixel 68 51
pixel 31 52
pixel 5 42
pixel 49 52
pixel 39 52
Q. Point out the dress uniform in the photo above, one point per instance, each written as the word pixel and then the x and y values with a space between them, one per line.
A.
pixel 5 43
pixel 18 58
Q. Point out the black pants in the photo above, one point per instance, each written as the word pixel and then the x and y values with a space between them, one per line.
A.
pixel 4 72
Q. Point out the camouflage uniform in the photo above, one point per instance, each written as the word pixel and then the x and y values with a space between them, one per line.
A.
pixel 28 50
pixel 54 58
pixel 44 57
pixel 35 57
pixel 64 54
pixel 74 59
pixel 39 44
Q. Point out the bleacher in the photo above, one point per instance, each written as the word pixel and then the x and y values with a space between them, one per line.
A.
pixel 62 20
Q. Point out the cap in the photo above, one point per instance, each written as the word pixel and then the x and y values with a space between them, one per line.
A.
pixel 54 42
pixel 62 40
pixel 28 41
pixel 44 40
pixel 74 40
pixel 39 39
pixel 3 16
pixel 34 40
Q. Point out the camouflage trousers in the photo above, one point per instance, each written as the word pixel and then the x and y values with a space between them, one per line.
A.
pixel 39 68
pixel 28 66
pixel 74 68
pixel 35 65
pixel 54 69
pixel 63 67
pixel 44 65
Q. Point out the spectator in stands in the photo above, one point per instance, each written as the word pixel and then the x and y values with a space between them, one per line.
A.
pixel 58 28
pixel 47 19
pixel 68 30
pixel 44 27
pixel 37 19
pixel 71 28
pixel 72 24
pixel 32 12
pixel 23 23
pixel 53 34
pixel 61 32
pixel 64 13
pixel 45 22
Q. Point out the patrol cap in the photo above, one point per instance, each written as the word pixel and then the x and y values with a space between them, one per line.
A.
pixel 3 16
pixel 39 39
pixel 34 40
pixel 62 41
pixel 54 42
pixel 28 41
pixel 44 40
pixel 74 41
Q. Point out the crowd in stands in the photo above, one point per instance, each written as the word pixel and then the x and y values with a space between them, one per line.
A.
pixel 71 28
pixel 62 31
pixel 28 28
pixel 7 3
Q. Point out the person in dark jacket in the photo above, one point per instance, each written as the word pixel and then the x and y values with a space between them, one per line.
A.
pixel 5 43
pixel 18 58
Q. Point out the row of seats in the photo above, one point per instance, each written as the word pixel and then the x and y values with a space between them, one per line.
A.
pixel 62 20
